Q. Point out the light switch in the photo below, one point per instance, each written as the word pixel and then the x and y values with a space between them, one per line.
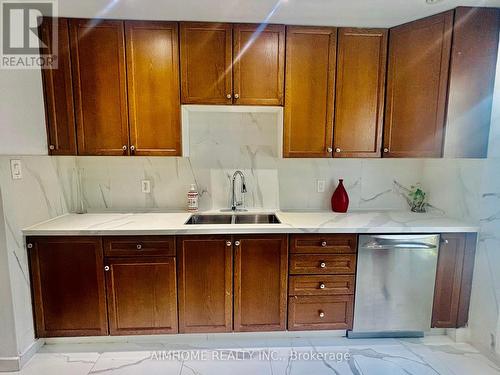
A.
pixel 146 186
pixel 320 186
pixel 16 169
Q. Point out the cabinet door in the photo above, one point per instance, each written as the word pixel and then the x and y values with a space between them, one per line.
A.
pixel 58 90
pixel 309 91
pixel 360 92
pixel 259 64
pixel 454 280
pixel 260 283
pixel 98 60
pixel 206 59
pixel 417 80
pixel 67 277
pixel 472 78
pixel 205 272
pixel 153 88
pixel 142 295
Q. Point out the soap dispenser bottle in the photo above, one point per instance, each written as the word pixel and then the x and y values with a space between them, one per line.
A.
pixel 192 199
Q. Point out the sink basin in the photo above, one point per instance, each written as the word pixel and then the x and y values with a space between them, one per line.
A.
pixel 210 219
pixel 233 219
pixel 257 219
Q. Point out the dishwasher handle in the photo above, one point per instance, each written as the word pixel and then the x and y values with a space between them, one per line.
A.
pixel 400 245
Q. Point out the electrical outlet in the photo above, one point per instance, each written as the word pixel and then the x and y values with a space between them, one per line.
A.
pixel 320 186
pixel 146 186
pixel 16 169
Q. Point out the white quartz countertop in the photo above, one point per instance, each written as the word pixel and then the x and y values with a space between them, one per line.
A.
pixel 291 222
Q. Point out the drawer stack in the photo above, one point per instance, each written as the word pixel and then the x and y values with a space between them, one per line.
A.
pixel 322 273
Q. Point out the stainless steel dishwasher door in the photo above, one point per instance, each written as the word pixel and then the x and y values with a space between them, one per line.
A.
pixel 395 285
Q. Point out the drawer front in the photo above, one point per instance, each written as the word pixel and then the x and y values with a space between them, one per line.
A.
pixel 323 244
pixel 321 285
pixel 320 312
pixel 310 264
pixel 139 245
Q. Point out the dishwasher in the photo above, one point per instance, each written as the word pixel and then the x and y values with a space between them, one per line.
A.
pixel 395 280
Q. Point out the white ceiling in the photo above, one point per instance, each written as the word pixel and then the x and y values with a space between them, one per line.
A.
pixel 368 13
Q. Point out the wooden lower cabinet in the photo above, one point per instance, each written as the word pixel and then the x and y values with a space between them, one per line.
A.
pixel 142 295
pixel 454 280
pixel 320 312
pixel 205 269
pixel 67 277
pixel 260 283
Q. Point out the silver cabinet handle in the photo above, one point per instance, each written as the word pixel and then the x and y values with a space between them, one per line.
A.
pixel 106 268
pixel 338 150
pixel 321 314
pixel 52 147
pixel 228 243
pixel 329 149
pixel 323 244
pixel 322 264
pixel 322 286
pixel 386 149
pixel 139 246
pixel 124 147
pixel 236 243
pixel 445 241
pixel 29 246
pixel 229 96
pixel 132 148
pixel 236 96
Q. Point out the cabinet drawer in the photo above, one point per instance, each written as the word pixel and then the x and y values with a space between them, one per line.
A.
pixel 323 244
pixel 320 312
pixel 307 264
pixel 321 285
pixel 139 245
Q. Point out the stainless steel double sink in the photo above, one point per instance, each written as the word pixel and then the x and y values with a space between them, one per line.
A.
pixel 198 219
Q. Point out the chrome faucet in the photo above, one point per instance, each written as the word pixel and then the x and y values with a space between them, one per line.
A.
pixel 234 203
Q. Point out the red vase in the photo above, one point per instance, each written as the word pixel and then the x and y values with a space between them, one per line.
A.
pixel 340 199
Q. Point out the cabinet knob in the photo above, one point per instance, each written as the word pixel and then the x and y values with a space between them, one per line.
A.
pixel 445 241
pixel 29 246
pixel 52 147
pixel 323 244
pixel 386 149
pixel 236 96
pixel 228 243
pixel 322 286
pixel 139 246
pixel 132 148
pixel 321 314
pixel 106 268
pixel 338 150
pixel 124 147
pixel 322 264
pixel 236 243
pixel 329 149
pixel 228 96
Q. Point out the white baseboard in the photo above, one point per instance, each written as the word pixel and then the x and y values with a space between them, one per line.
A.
pixel 8 364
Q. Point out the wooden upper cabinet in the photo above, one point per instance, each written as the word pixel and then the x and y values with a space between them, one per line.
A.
pixel 206 63
pixel 67 276
pixel 260 282
pixel 472 78
pixel 454 280
pixel 142 295
pixel 309 94
pixel 417 80
pixel 153 88
pixel 360 92
pixel 98 60
pixel 259 64
pixel 58 90
pixel 205 269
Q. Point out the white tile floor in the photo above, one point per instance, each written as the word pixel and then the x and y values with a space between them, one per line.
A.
pixel 263 355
